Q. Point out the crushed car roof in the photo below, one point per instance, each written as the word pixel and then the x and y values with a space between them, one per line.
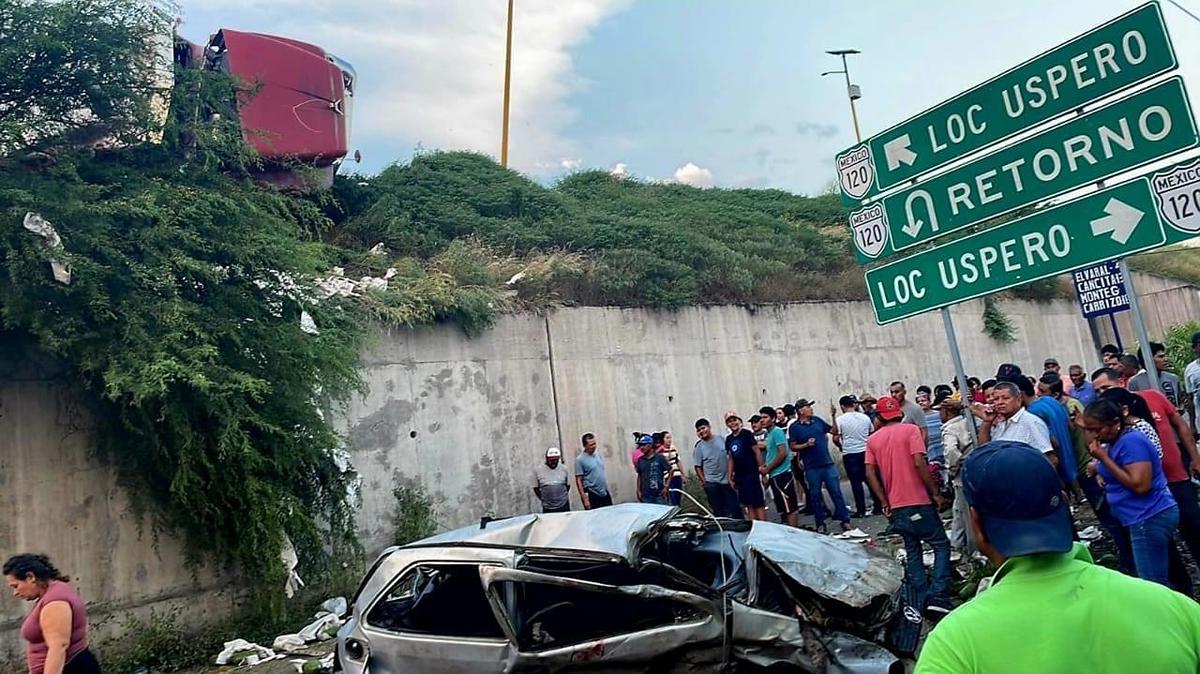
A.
pixel 613 530
pixel 839 570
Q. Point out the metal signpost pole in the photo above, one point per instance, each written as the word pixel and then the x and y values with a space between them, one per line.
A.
pixel 1135 306
pixel 1116 332
pixel 963 389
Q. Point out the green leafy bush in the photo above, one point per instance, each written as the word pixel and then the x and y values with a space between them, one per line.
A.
pixel 413 518
pixel 1178 341
pixel 997 324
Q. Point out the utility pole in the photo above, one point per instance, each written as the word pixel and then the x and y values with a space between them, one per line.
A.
pixel 507 86
pixel 852 90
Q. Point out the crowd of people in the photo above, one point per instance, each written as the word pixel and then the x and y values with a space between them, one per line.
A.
pixel 1110 439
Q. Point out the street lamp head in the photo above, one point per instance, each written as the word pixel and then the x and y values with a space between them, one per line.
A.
pixel 832 72
pixel 843 52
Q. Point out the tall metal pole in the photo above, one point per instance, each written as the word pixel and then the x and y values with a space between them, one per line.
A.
pixel 853 112
pixel 507 85
pixel 1135 306
pixel 964 390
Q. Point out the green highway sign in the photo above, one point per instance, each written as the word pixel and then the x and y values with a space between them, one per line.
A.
pixel 1129 49
pixel 1131 132
pixel 1110 223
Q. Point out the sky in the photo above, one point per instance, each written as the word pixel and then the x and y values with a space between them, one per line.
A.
pixel 724 93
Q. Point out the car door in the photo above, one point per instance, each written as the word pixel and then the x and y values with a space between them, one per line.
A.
pixel 436 617
pixel 558 622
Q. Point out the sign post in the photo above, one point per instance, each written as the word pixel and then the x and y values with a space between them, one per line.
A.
pixel 1130 49
pixel 1143 338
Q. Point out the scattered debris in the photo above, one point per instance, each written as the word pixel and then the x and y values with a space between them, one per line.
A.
pixel 324 627
pixel 242 653
pixel 1090 534
pixel 337 605
pixel 307 324
pixel 314 665
pixel 35 223
pixel 290 562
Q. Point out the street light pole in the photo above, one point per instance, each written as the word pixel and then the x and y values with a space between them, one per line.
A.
pixel 849 87
pixel 507 84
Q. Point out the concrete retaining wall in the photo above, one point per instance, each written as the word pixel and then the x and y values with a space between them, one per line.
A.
pixel 56 499
pixel 469 418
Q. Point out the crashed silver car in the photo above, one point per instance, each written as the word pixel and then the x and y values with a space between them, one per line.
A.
pixel 633 587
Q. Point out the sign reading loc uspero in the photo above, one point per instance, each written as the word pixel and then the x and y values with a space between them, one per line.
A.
pixel 1124 135
pixel 1129 49
pixel 1132 217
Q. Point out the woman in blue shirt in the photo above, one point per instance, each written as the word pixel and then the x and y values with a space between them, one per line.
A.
pixel 1135 486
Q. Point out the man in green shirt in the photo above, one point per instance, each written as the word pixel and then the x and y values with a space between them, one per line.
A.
pixel 1047 593
pixel 777 468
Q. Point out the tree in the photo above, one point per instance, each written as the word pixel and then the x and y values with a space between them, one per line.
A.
pixel 88 68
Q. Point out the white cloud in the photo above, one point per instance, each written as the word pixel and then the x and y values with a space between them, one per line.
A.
pixel 570 164
pixel 619 170
pixel 433 72
pixel 690 174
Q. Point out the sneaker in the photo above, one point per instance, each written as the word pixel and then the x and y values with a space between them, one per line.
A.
pixel 824 530
pixel 845 527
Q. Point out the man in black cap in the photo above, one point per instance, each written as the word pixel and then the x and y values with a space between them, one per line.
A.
pixel 1047 591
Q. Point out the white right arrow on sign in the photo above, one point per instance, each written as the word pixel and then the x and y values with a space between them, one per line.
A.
pixel 1120 221
pixel 899 151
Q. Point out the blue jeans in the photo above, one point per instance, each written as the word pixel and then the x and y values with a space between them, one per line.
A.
pixel 917 525
pixel 827 476
pixel 723 501
pixel 856 470
pixel 675 496
pixel 1152 539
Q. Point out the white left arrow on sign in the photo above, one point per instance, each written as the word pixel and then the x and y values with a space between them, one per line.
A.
pixel 899 151
pixel 1120 221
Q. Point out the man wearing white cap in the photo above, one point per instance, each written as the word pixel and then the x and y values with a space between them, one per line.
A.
pixel 551 483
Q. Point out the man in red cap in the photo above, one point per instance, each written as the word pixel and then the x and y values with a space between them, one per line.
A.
pixel 911 501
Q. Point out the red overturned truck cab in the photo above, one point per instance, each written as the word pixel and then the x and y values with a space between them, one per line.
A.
pixel 301 101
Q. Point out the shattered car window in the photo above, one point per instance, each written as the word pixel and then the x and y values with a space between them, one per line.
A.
pixel 438 600
pixel 549 616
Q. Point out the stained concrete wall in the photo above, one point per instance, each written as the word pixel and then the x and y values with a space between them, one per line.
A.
pixel 463 417
pixel 469 418
pixel 56 499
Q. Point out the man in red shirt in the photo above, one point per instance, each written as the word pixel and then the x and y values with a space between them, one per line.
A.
pixel 1176 438
pixel 897 451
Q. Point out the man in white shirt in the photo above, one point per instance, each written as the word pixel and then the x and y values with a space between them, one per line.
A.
pixel 1008 419
pixel 850 435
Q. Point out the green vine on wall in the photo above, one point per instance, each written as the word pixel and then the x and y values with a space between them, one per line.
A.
pixel 997 324
pixel 181 321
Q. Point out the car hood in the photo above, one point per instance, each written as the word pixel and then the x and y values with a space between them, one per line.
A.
pixel 841 570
